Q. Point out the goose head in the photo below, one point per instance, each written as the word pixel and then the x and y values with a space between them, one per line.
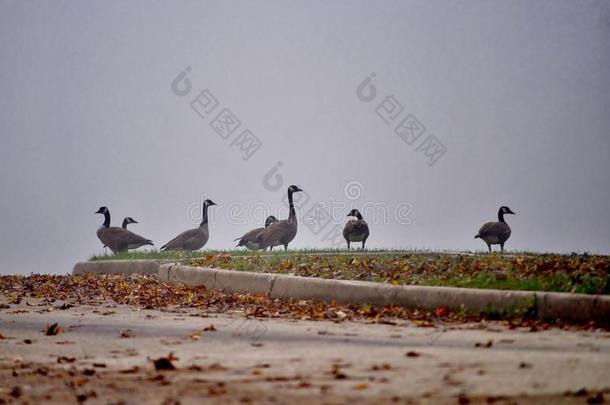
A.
pixel 354 213
pixel 102 210
pixel 505 210
pixel 130 220
pixel 270 220
pixel 208 203
pixel 293 189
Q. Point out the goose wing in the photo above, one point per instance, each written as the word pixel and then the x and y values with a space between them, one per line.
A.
pixel 118 239
pixel 498 230
pixel 277 233
pixel 111 237
pixel 356 227
pixel 187 240
pixel 250 236
pixel 134 241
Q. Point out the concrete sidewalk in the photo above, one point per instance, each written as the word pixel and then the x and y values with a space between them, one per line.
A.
pixel 108 350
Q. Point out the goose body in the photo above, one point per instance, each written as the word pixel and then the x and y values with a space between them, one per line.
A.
pixel 356 230
pixel 192 239
pixel 249 239
pixel 496 233
pixel 118 239
pixel 281 232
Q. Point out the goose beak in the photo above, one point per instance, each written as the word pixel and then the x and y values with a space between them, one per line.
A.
pixel 298 189
pixel 511 212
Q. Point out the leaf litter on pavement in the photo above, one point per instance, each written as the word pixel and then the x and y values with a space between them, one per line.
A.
pixel 149 293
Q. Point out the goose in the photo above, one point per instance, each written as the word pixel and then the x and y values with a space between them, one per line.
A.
pixel 249 239
pixel 193 239
pixel 496 233
pixel 127 221
pixel 281 232
pixel 118 239
pixel 356 230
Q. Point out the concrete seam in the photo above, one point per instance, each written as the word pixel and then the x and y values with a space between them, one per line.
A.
pixel 271 284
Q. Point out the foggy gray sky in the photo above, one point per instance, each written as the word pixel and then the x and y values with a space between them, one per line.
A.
pixel 517 92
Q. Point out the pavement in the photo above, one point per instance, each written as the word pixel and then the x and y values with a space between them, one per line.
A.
pixel 106 354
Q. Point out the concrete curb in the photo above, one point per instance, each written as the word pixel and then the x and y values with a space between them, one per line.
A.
pixel 547 305
pixel 119 267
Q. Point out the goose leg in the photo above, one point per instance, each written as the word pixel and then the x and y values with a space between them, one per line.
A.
pixel 489 247
pixel 363 242
pixel 502 247
pixel 347 245
pixel 270 248
pixel 285 246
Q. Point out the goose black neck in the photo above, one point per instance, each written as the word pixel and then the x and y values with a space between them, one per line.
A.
pixel 125 223
pixel 204 215
pixel 501 216
pixel 107 219
pixel 359 215
pixel 292 215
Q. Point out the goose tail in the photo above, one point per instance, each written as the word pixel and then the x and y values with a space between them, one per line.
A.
pixel 476 236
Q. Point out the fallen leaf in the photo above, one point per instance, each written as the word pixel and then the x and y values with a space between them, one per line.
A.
pixel 361 386
pixel 484 345
pixel 126 333
pixel 16 392
pixel 441 312
pixel 337 374
pixel 412 354
pixel 463 399
pixel 53 329
pixel 64 359
pixel 85 396
pixel 130 370
pixel 89 371
pixel 597 399
pixel 13 299
pixel 165 363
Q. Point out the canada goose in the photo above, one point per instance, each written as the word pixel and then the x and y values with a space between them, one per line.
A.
pixel 356 230
pixel 118 239
pixel 249 239
pixel 193 239
pixel 281 232
pixel 127 221
pixel 496 233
